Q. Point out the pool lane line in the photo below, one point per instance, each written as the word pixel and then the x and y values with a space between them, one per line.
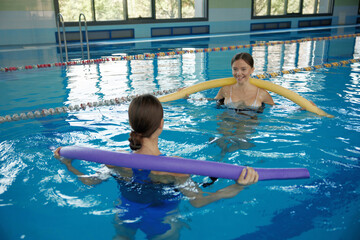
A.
pixel 75 108
pixel 311 68
pixel 146 56
pixel 121 100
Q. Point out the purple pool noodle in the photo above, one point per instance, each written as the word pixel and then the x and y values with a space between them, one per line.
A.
pixel 177 165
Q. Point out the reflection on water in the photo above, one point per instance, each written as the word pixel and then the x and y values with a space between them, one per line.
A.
pixel 234 129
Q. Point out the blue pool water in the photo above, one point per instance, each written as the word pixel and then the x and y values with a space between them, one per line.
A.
pixel 40 199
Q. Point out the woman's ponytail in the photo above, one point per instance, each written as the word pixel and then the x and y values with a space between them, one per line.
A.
pixel 135 140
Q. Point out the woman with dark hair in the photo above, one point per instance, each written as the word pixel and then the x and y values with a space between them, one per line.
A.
pixel 242 94
pixel 149 199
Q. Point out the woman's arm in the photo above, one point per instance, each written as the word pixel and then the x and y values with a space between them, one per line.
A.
pixel 220 94
pixel 266 98
pixel 86 179
pixel 198 198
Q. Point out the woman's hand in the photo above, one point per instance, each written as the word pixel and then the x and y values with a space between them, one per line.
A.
pixel 86 179
pixel 57 153
pixel 247 177
pixel 199 198
pixel 65 161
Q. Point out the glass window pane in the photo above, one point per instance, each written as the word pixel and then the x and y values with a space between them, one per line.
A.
pixel 309 7
pixel 193 8
pixel 260 7
pixel 139 8
pixel 277 7
pixel 167 9
pixel 293 6
pixel 108 10
pixel 72 9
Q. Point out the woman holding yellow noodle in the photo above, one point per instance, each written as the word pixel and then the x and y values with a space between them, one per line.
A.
pixel 242 94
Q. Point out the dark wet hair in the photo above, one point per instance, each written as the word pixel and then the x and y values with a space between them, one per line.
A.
pixel 145 114
pixel 244 56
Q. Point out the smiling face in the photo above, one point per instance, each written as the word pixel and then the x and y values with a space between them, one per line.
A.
pixel 241 71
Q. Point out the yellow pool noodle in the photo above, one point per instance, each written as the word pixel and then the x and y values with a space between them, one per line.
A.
pixel 296 98
pixel 197 88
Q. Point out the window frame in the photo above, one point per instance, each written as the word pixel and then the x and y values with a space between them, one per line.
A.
pixel 128 20
pixel 290 15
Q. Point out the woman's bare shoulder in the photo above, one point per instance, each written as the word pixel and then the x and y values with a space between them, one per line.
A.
pixel 266 97
pixel 226 88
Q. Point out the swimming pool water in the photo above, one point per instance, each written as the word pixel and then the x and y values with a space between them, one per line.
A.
pixel 40 199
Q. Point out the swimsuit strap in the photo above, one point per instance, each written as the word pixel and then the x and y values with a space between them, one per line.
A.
pixel 229 100
pixel 254 103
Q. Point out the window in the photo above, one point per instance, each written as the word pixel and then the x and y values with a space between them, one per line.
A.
pixel 131 11
pixel 71 9
pixel 109 10
pixel 139 8
pixel 172 9
pixel 277 8
pixel 293 7
pixel 288 8
pixel 168 10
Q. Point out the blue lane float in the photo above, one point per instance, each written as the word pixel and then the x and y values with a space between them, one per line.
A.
pixel 176 165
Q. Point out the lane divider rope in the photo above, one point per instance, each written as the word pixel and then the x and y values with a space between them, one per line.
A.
pixel 121 100
pixel 77 107
pixel 172 53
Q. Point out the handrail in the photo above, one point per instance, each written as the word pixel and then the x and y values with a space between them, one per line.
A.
pixel 61 18
pixel 81 38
